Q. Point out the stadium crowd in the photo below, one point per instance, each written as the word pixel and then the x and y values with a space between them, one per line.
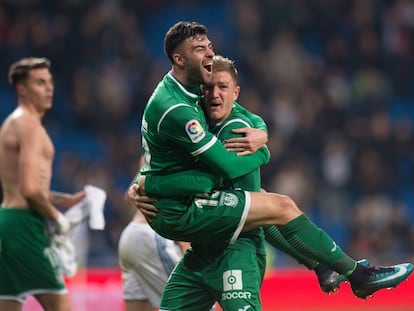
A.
pixel 332 78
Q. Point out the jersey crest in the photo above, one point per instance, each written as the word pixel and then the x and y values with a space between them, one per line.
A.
pixel 229 199
pixel 195 131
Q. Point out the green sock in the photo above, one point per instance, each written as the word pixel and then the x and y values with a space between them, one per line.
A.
pixel 305 237
pixel 276 239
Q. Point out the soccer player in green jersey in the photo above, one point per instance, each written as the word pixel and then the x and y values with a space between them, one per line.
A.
pixel 224 118
pixel 244 258
pixel 175 139
pixel 242 262
pixel 231 274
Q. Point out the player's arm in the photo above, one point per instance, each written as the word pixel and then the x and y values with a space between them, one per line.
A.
pixel 256 121
pixel 208 149
pixel 228 165
pixel 250 139
pixel 189 182
pixel 183 183
pixel 137 197
pixel 211 153
pixel 31 147
pixel 64 199
pixel 31 185
pixel 178 184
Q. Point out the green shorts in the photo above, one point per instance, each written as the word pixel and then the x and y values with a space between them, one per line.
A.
pixel 219 216
pixel 233 279
pixel 27 263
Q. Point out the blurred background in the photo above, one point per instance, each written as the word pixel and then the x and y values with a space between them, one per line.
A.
pixel 333 79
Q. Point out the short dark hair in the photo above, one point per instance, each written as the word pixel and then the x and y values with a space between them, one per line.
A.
pixel 178 33
pixel 19 70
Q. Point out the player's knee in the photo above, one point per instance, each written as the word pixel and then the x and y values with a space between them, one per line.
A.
pixel 287 205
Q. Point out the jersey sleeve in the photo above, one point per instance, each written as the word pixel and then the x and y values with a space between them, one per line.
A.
pixel 180 184
pixel 226 132
pixel 257 121
pixel 185 127
pixel 193 181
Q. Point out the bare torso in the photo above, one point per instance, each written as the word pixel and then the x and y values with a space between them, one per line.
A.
pixel 17 166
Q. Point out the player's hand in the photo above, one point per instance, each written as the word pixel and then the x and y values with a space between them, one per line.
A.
pixel 140 201
pixel 62 225
pixel 252 140
pixel 66 200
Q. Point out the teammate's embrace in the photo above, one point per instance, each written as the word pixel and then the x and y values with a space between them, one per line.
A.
pixel 176 140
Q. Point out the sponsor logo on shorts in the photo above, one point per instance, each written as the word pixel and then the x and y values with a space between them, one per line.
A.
pixel 236 295
pixel 233 286
pixel 195 131
pixel 229 199
pixel 232 280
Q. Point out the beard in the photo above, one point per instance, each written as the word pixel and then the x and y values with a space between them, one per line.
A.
pixel 198 75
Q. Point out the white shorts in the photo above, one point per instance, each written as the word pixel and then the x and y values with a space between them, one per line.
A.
pixel 146 260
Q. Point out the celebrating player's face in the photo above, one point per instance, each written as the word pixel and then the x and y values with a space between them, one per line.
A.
pixel 197 57
pixel 219 96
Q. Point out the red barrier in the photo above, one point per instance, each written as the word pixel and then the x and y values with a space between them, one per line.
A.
pixel 283 289
pixel 298 290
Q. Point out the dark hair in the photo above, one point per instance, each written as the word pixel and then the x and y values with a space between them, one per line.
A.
pixel 178 33
pixel 19 70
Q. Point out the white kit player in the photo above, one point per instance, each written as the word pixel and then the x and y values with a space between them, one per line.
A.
pixel 146 260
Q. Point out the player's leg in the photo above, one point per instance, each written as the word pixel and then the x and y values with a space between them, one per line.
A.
pixel 239 278
pixel 304 236
pixel 10 305
pixel 269 209
pixel 138 305
pixel 301 234
pixel 134 297
pixel 54 302
pixel 146 260
pixel 28 263
pixel 328 280
pixel 186 291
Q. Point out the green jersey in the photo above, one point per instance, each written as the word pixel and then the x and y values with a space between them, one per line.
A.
pixel 248 182
pixel 223 131
pixel 175 136
pixel 203 275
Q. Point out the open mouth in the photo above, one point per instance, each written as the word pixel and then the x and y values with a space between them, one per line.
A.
pixel 209 67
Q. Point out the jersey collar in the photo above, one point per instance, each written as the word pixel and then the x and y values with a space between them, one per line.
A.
pixel 192 92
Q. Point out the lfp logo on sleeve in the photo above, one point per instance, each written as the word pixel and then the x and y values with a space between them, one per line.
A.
pixel 195 131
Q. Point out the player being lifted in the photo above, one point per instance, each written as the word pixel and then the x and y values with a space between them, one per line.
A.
pixel 176 140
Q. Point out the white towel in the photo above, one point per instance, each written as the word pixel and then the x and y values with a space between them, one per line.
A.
pixel 63 245
pixel 96 199
pixel 77 213
pixel 66 254
pixel 92 205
